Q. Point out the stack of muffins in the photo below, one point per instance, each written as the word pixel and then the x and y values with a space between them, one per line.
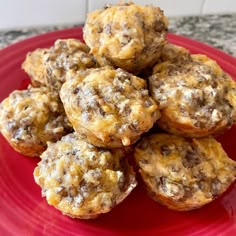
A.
pixel 92 105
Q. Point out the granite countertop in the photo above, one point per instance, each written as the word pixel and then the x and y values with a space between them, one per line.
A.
pixel 216 30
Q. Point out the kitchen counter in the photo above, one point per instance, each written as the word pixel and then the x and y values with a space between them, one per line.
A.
pixel 218 31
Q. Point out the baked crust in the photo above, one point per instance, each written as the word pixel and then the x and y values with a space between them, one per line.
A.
pixel 172 52
pixel 29 118
pixel 183 173
pixel 127 36
pixel 34 67
pixel 81 180
pixel 195 96
pixel 109 108
pixel 66 55
pixel 48 67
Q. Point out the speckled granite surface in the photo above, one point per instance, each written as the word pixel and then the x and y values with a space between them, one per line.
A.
pixel 216 30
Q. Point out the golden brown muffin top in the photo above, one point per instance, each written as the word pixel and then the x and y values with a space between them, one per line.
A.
pixel 172 52
pixel 197 91
pixel 82 180
pixel 33 116
pixel 191 172
pixel 112 104
pixel 33 66
pixel 65 55
pixel 126 32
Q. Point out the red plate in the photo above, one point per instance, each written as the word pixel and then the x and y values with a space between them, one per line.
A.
pixel 24 212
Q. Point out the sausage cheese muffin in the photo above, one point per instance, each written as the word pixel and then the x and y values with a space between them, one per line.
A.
pixel 33 66
pixel 126 36
pixel 172 52
pixel 65 55
pixel 109 108
pixel 29 118
pixel 183 173
pixel 196 98
pixel 49 66
pixel 81 180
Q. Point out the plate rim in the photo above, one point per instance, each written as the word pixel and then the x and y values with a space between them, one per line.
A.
pixel 174 38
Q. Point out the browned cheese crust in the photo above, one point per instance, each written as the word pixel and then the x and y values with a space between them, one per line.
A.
pixel 31 117
pixel 172 52
pixel 66 55
pixel 109 108
pixel 195 96
pixel 184 174
pixel 81 180
pixel 126 36
pixel 49 66
pixel 34 67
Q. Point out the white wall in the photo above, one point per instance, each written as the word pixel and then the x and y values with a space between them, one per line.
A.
pixel 19 13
